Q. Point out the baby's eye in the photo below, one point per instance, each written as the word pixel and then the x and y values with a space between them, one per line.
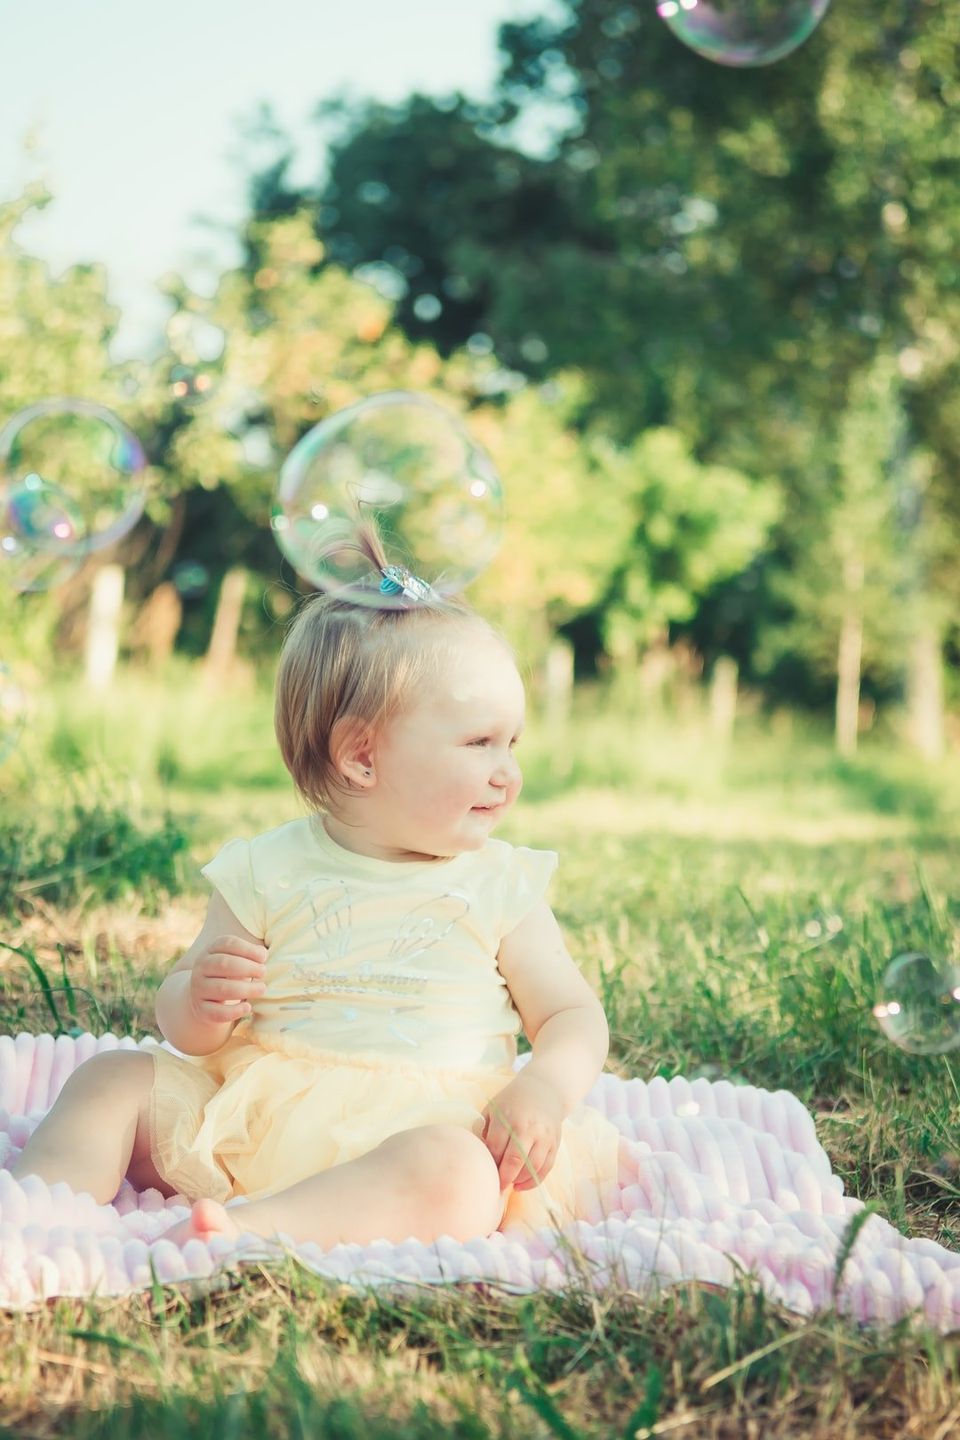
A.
pixel 484 740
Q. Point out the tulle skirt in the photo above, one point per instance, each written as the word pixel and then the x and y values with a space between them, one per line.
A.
pixel 249 1121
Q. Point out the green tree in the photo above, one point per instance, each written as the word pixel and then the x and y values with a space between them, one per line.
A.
pixel 854 582
pixel 693 526
pixel 54 342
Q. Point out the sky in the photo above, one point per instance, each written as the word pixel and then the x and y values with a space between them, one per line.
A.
pixel 129 110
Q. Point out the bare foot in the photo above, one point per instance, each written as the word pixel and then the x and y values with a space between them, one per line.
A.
pixel 207 1218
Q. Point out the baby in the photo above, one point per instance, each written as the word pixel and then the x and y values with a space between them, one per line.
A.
pixel 347 1016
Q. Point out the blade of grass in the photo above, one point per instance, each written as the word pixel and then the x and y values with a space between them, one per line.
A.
pixel 41 978
pixel 779 1344
pixel 850 1236
pixel 67 986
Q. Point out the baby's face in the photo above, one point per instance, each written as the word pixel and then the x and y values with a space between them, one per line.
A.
pixel 445 766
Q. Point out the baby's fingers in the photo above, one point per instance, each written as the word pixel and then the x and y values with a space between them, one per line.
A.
pixel 215 987
pixel 518 1164
pixel 228 954
pixel 222 1000
pixel 539 1167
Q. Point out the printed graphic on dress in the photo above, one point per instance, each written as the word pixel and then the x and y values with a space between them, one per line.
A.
pixel 423 927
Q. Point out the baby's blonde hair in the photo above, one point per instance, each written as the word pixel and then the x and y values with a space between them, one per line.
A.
pixel 346 664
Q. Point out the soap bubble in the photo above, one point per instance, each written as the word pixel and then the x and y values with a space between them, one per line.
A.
pixel 71 482
pixel 919 1005
pixel 742 32
pixel 196 344
pixel 191 579
pixel 189 384
pixel 13 710
pixel 38 526
pixel 409 465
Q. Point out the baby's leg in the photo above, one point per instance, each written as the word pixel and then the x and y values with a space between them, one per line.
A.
pixel 98 1129
pixel 434 1180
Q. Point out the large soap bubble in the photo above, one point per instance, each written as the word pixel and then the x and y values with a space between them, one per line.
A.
pixel 71 482
pixel 742 32
pixel 919 1005
pixel 406 463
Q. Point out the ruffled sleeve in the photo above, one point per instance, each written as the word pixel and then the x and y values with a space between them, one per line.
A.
pixel 526 877
pixel 231 872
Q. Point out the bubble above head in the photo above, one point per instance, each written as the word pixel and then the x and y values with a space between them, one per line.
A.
pixel 71 482
pixel 409 465
pixel 742 32
pixel 919 1005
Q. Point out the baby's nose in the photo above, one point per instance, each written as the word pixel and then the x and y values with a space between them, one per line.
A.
pixel 506 773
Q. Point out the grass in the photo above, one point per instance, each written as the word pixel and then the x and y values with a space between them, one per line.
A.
pixel 735 911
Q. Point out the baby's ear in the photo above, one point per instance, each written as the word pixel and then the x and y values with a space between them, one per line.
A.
pixel 351 750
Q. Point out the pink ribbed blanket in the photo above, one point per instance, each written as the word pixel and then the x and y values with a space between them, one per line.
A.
pixel 714 1179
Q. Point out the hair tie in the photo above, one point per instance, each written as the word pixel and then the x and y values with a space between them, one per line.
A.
pixel 399 581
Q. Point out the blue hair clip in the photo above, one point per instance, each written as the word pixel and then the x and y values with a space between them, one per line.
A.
pixel 399 581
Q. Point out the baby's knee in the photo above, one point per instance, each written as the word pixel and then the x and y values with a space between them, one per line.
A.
pixel 113 1073
pixel 463 1180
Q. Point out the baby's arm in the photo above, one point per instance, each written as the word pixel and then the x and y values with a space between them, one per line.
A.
pixel 567 1029
pixel 209 988
pixel 562 1018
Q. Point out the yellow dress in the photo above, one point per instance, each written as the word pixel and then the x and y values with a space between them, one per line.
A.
pixel 383 1010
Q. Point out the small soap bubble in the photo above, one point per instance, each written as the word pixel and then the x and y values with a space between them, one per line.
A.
pixel 40 515
pixel 742 32
pixel 406 463
pixel 39 527
pixel 190 578
pixel 13 711
pixel 919 1005
pixel 71 482
pixel 190 384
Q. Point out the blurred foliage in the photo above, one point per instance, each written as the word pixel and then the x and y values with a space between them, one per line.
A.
pixel 301 340
pixel 88 849
pixel 727 252
pixel 703 319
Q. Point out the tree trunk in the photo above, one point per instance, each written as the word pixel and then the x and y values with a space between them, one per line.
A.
pixel 723 698
pixel 226 625
pixel 103 626
pixel 558 682
pixel 849 653
pixel 925 693
pixel 158 623
pixel 656 666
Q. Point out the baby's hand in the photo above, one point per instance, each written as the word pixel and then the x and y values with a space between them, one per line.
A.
pixel 521 1130
pixel 225 977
